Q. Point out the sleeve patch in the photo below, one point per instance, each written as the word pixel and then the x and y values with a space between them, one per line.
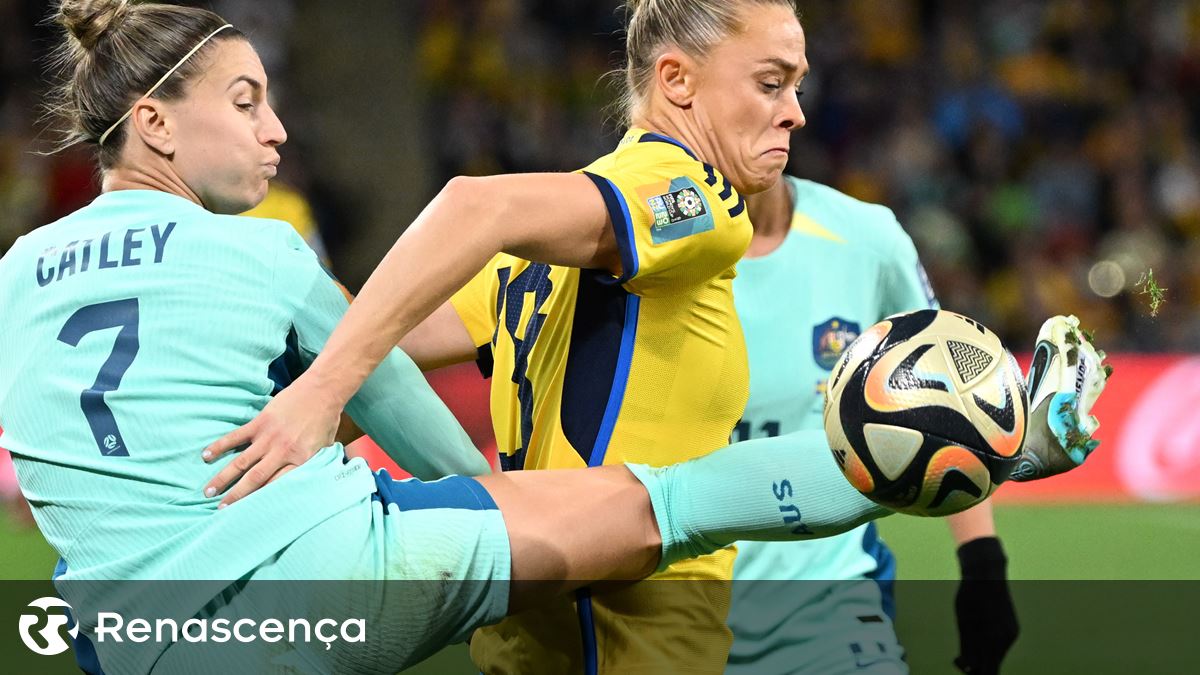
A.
pixel 679 212
pixel 930 296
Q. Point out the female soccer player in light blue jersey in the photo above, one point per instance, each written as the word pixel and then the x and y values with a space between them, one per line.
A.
pixel 151 321
pixel 822 267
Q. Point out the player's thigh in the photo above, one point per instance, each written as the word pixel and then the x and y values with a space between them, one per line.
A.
pixel 420 564
pixel 444 558
pixel 556 518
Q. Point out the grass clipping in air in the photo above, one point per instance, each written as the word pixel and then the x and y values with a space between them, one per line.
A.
pixel 1149 287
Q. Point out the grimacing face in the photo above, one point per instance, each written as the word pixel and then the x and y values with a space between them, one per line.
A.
pixel 226 134
pixel 747 97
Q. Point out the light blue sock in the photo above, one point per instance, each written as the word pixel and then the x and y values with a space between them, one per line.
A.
pixel 773 489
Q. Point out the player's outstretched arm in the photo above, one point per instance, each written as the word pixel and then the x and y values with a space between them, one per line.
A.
pixel 468 223
pixel 1065 379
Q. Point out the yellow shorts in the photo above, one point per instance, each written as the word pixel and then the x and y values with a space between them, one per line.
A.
pixel 672 622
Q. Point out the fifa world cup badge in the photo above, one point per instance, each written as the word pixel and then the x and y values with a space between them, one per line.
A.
pixel 680 212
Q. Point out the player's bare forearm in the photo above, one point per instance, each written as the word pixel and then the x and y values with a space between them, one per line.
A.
pixel 972 524
pixel 440 340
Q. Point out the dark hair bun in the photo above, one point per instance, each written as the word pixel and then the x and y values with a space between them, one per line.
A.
pixel 89 20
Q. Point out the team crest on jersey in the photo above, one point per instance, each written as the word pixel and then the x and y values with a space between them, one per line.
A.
pixel 680 212
pixel 831 338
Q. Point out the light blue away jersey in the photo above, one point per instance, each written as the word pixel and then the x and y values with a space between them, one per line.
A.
pixel 843 266
pixel 140 329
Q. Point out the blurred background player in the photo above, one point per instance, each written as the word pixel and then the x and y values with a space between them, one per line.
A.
pixel 821 268
pixel 288 204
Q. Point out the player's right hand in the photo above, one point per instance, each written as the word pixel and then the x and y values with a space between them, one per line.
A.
pixel 1066 377
pixel 297 423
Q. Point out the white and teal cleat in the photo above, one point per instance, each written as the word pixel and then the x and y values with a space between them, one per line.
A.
pixel 1066 377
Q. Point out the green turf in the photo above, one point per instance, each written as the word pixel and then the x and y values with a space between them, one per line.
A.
pixel 1094 627
pixel 1132 541
pixel 23 552
pixel 1066 626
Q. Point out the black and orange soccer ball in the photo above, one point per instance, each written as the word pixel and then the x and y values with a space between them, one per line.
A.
pixel 926 413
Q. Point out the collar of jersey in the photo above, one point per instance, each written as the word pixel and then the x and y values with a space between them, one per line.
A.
pixel 144 196
pixel 652 137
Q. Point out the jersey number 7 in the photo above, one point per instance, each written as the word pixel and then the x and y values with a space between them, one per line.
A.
pixel 103 316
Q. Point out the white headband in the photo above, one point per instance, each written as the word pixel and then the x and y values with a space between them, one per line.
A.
pixel 162 79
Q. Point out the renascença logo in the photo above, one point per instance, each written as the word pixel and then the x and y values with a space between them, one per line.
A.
pixel 52 632
pixel 112 626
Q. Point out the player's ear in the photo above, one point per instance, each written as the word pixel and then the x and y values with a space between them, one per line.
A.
pixel 153 124
pixel 676 75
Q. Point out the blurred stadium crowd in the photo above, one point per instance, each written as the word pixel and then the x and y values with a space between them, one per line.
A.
pixel 1043 154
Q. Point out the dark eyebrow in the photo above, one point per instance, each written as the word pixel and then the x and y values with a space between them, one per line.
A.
pixel 254 84
pixel 784 65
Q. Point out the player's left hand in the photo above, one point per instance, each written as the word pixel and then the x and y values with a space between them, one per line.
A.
pixel 297 423
pixel 1066 377
pixel 983 608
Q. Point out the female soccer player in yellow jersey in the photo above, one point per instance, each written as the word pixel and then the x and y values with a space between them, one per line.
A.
pixel 605 306
pixel 603 299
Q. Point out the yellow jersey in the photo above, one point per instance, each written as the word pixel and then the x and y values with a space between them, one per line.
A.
pixel 593 369
pixel 286 203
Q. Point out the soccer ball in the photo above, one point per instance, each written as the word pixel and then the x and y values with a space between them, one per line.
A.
pixel 926 413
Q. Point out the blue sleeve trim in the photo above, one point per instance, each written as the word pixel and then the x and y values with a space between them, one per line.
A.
pixel 618 213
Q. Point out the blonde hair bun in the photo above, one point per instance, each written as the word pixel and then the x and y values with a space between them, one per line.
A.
pixel 89 20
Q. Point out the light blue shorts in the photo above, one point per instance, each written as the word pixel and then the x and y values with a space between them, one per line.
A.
pixel 842 628
pixel 421 564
